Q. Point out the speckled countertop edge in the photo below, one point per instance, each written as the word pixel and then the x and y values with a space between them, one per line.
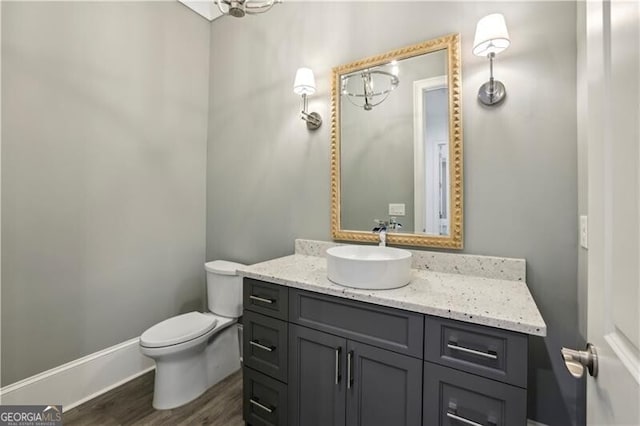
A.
pixel 492 302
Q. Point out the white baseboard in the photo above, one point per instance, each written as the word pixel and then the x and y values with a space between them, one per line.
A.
pixel 80 380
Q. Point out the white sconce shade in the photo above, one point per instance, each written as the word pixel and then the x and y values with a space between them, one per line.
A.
pixel 491 35
pixel 305 83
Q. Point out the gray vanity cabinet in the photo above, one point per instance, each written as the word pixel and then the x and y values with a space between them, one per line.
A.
pixel 313 359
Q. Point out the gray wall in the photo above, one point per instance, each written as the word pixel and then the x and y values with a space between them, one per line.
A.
pixel 104 118
pixel 268 177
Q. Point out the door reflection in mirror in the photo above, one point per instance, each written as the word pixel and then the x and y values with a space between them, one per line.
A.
pixel 431 155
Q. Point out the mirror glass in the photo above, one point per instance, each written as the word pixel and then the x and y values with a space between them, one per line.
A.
pixel 397 146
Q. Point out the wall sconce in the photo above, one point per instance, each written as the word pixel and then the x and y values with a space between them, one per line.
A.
pixel 491 38
pixel 305 84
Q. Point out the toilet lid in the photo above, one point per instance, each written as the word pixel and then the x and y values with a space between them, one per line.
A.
pixel 223 267
pixel 178 329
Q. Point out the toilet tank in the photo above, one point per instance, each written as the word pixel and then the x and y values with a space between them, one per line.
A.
pixel 224 288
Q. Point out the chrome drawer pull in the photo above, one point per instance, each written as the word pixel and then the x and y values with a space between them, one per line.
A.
pixel 337 377
pixel 261 346
pixel 471 351
pixel 264 407
pixel 349 369
pixel 463 420
pixel 261 299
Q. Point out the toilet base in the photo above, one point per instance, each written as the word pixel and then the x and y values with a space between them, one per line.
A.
pixel 181 378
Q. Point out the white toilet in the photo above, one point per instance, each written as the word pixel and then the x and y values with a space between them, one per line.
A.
pixel 196 350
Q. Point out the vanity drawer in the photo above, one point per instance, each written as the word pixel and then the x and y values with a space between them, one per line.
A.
pixel 265 345
pixel 387 328
pixel 266 298
pixel 264 400
pixel 453 398
pixel 489 352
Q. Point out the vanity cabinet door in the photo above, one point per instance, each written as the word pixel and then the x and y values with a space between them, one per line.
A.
pixel 316 378
pixel 266 298
pixel 265 345
pixel 265 400
pixel 489 352
pixel 383 388
pixel 455 398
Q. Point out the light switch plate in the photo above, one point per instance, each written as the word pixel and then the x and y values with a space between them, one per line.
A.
pixel 584 232
pixel 396 209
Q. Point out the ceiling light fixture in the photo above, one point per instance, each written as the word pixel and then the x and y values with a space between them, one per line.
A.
pixel 239 8
pixel 372 88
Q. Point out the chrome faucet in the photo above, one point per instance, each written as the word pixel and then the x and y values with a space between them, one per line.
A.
pixel 381 230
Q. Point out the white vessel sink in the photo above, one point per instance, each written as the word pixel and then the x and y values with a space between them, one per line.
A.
pixel 369 267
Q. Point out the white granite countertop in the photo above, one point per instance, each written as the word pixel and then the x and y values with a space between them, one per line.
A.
pixel 493 302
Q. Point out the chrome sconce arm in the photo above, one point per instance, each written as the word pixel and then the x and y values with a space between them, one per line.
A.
pixel 313 119
pixel 493 91
pixel 305 85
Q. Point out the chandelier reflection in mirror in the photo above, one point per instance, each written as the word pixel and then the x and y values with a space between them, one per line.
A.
pixel 239 8
pixel 370 87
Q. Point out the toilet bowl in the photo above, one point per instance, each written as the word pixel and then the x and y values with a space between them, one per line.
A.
pixel 194 351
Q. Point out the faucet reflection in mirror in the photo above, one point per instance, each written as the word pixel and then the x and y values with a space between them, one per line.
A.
pixel 239 8
pixel 304 85
pixel 383 226
pixel 372 87
pixel 491 38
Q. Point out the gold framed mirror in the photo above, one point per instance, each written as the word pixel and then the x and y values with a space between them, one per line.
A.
pixel 396 146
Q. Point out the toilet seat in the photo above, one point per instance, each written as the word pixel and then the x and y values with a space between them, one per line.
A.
pixel 178 329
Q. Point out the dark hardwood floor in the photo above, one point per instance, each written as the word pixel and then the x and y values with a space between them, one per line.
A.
pixel 130 404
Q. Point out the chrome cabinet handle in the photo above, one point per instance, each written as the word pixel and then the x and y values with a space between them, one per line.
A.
pixel 261 346
pixel 462 419
pixel 349 369
pixel 262 406
pixel 337 377
pixel 471 351
pixel 260 299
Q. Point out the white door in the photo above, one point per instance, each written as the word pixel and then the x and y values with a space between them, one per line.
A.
pixel 613 134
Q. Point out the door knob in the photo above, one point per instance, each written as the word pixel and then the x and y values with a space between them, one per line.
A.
pixel 577 361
